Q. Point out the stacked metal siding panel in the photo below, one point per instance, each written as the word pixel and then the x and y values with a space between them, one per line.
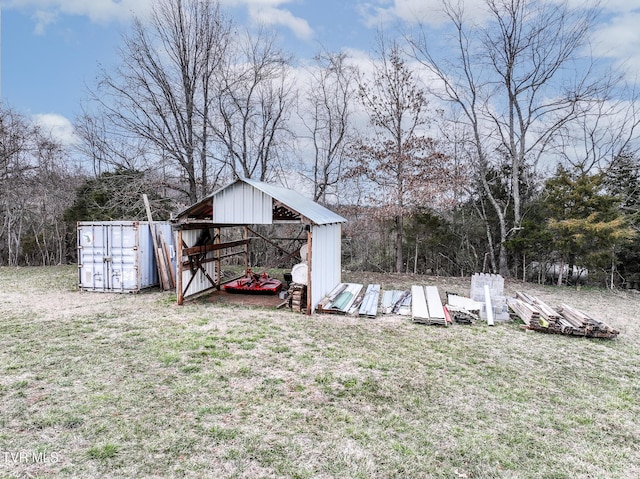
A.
pixel 369 306
pixel 419 308
pixel 118 256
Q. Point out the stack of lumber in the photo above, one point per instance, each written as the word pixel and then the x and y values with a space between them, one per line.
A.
pixel 528 313
pixel 591 326
pixel 564 319
pixel 461 315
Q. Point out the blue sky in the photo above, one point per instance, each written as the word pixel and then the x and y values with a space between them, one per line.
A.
pixel 52 49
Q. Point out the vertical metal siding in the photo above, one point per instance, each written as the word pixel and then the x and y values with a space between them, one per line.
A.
pixel 200 283
pixel 242 204
pixel 326 260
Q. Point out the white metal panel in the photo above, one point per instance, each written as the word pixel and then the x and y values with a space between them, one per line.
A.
pixel 200 282
pixel 326 260
pixel 242 204
pixel 434 302
pixel 419 309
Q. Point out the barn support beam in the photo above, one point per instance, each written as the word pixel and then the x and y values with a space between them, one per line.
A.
pixel 179 292
pixel 309 268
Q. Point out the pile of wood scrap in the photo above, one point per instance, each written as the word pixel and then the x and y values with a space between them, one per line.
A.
pixel 564 319
pixel 427 307
pixel 297 297
pixel 463 310
pixel 341 299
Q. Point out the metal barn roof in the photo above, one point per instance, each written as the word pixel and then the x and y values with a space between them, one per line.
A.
pixel 231 198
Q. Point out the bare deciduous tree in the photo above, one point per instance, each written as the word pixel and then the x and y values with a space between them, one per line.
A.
pixel 35 188
pixel 400 159
pixel 252 105
pixel 326 114
pixel 509 80
pixel 162 89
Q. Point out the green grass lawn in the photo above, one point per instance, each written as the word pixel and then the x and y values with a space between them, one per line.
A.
pixel 107 385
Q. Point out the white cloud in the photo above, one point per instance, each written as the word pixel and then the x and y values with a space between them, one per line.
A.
pixel 277 16
pixel 59 127
pixel 98 11
pixel 412 12
pixel 270 12
pixel 618 39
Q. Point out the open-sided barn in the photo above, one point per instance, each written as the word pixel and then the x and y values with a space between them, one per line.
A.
pixel 245 202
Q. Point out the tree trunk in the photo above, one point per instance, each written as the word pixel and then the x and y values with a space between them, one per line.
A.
pixel 399 255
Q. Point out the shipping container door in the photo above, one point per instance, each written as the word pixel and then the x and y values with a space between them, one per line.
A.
pixel 92 251
pixel 122 258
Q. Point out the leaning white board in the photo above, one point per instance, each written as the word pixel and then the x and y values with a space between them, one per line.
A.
pixel 419 307
pixel 434 303
pixel 488 305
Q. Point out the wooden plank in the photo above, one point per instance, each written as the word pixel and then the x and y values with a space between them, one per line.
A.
pixel 167 258
pixel 419 308
pixel 206 248
pixel 160 263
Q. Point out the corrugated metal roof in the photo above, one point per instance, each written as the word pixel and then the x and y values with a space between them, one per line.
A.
pixel 315 213
pixel 308 208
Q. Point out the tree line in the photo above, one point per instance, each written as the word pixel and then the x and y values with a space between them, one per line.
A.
pixel 514 153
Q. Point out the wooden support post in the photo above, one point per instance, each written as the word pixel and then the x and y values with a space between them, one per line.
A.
pixel 217 240
pixel 179 291
pixel 309 267
pixel 245 236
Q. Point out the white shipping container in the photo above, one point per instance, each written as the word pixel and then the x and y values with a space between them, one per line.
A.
pixel 118 256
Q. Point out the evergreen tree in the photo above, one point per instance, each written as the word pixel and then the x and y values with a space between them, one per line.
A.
pixel 586 221
pixel 623 178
